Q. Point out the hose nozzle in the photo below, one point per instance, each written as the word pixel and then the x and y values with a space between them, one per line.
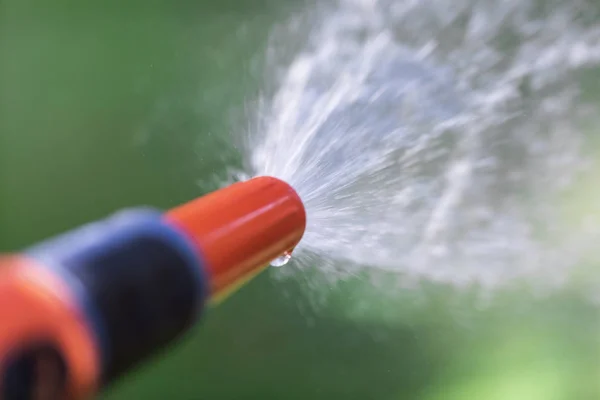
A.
pixel 240 229
pixel 96 301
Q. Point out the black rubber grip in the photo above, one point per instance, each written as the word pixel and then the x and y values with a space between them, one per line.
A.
pixel 139 282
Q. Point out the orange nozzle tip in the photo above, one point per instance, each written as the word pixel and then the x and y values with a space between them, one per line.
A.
pixel 240 229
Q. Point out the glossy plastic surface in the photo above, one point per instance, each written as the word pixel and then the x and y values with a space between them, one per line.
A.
pixel 238 230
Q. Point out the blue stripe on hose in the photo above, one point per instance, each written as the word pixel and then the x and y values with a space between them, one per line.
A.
pixel 197 266
pixel 60 254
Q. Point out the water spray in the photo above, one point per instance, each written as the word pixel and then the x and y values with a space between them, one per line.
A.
pixel 81 310
pixel 431 140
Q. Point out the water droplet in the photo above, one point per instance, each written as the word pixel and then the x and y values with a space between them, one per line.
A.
pixel 282 260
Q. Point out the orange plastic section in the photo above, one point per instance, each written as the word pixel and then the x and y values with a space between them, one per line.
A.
pixel 241 228
pixel 35 306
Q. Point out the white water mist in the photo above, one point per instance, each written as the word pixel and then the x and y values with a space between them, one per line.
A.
pixel 430 138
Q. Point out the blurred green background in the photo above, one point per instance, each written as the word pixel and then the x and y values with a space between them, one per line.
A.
pixel 105 105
